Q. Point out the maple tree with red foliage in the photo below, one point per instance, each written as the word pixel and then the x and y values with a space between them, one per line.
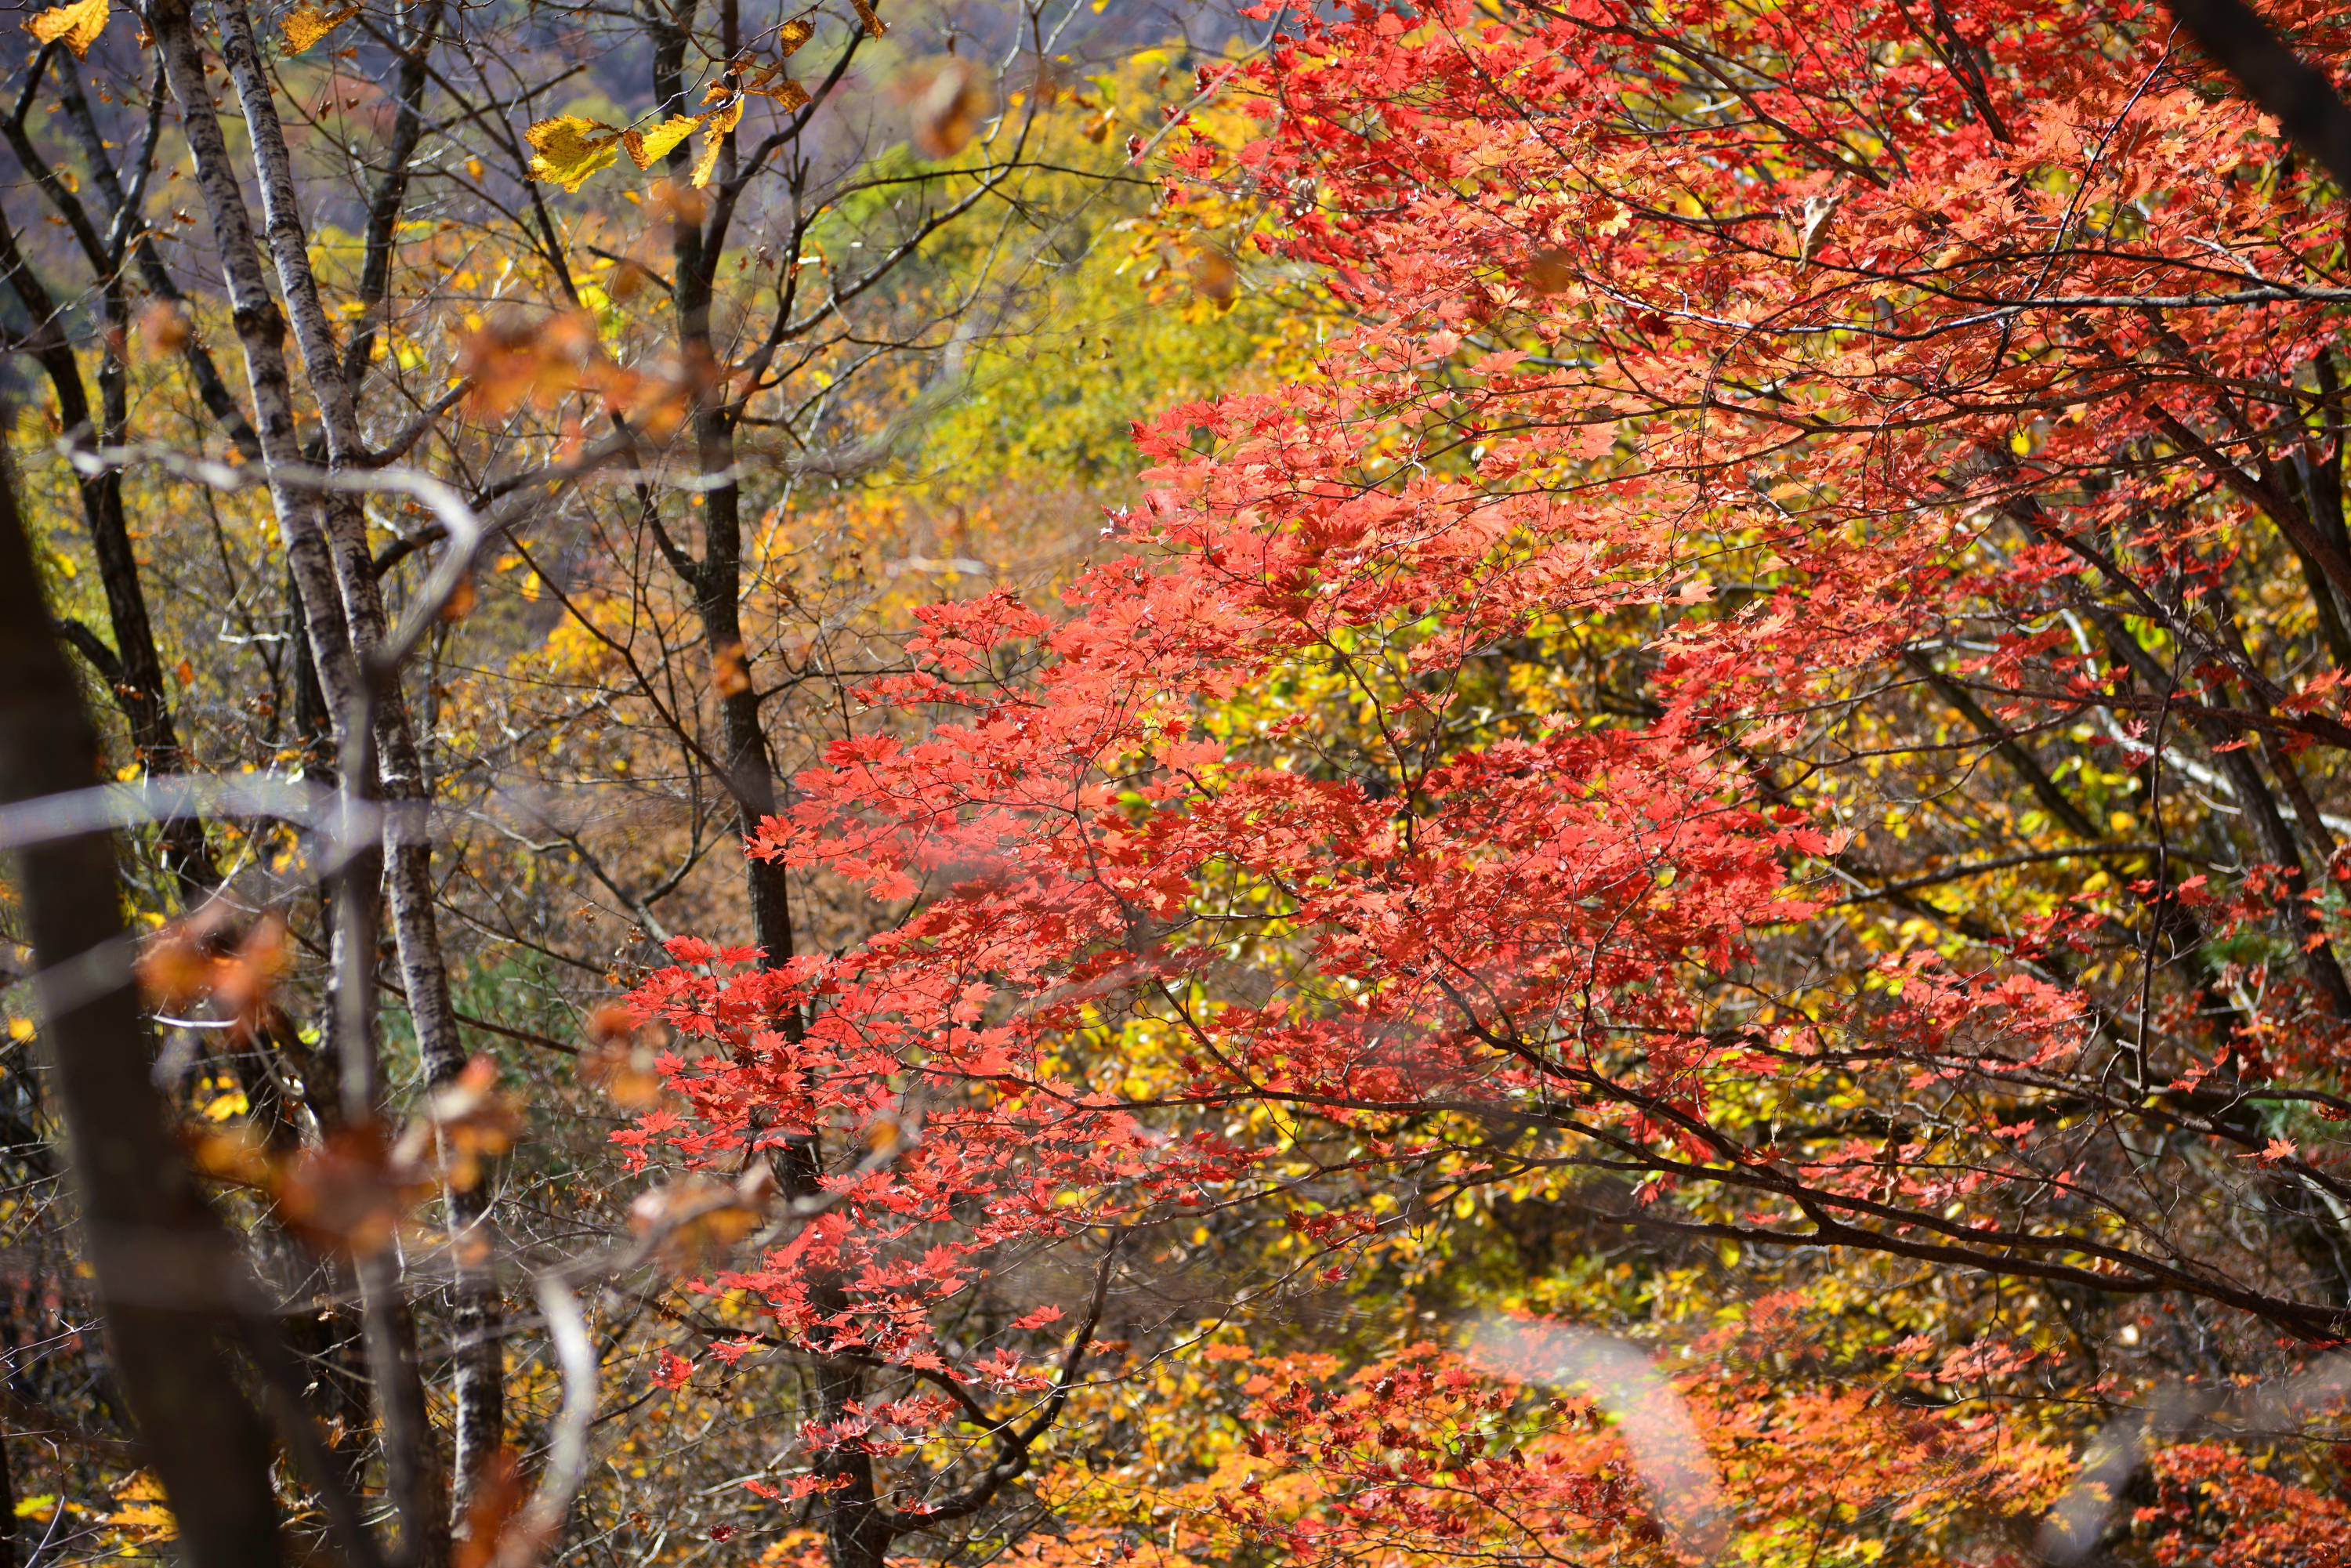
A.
pixel 1675 895
pixel 1817 405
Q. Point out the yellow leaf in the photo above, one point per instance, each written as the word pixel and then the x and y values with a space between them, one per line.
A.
pixel 77 25
pixel 645 147
pixel 788 94
pixel 714 136
pixel 20 1029
pixel 570 148
pixel 306 24
pixel 790 36
pixel 874 24
pixel 141 1511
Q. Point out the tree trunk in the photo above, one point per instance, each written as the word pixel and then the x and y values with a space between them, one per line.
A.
pixel 479 1378
pixel 131 669
pixel 163 1265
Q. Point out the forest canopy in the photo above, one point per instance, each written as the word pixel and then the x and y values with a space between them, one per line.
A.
pixel 1477 782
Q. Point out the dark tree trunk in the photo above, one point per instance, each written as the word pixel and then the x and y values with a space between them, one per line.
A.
pixel 131 669
pixel 163 1264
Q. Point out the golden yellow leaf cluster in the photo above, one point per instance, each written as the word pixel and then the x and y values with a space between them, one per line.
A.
pixel 77 25
pixel 306 24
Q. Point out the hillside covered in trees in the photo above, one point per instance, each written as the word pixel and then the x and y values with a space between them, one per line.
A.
pixel 1460 784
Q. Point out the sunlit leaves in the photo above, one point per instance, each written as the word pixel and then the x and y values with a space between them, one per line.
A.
pixel 570 148
pixel 306 24
pixel 573 149
pixel 75 25
pixel 716 126
pixel 647 148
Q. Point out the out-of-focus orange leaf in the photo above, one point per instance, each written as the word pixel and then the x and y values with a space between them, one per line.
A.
pixel 671 204
pixel 191 961
pixel 175 970
pixel 730 671
pixel 618 1062
pixel 627 281
pixel 611 1021
pixel 625 1073
pixel 460 601
pixel 498 1535
pixel 470 1121
pixel 163 329
pixel 1214 278
pixel 543 360
pixel 242 983
pixel 236 1154
pixel 694 1218
pixel 349 1195
pixel 1550 272
pixel 946 106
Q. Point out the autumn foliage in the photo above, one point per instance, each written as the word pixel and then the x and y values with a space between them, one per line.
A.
pixel 1659 880
pixel 1728 399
